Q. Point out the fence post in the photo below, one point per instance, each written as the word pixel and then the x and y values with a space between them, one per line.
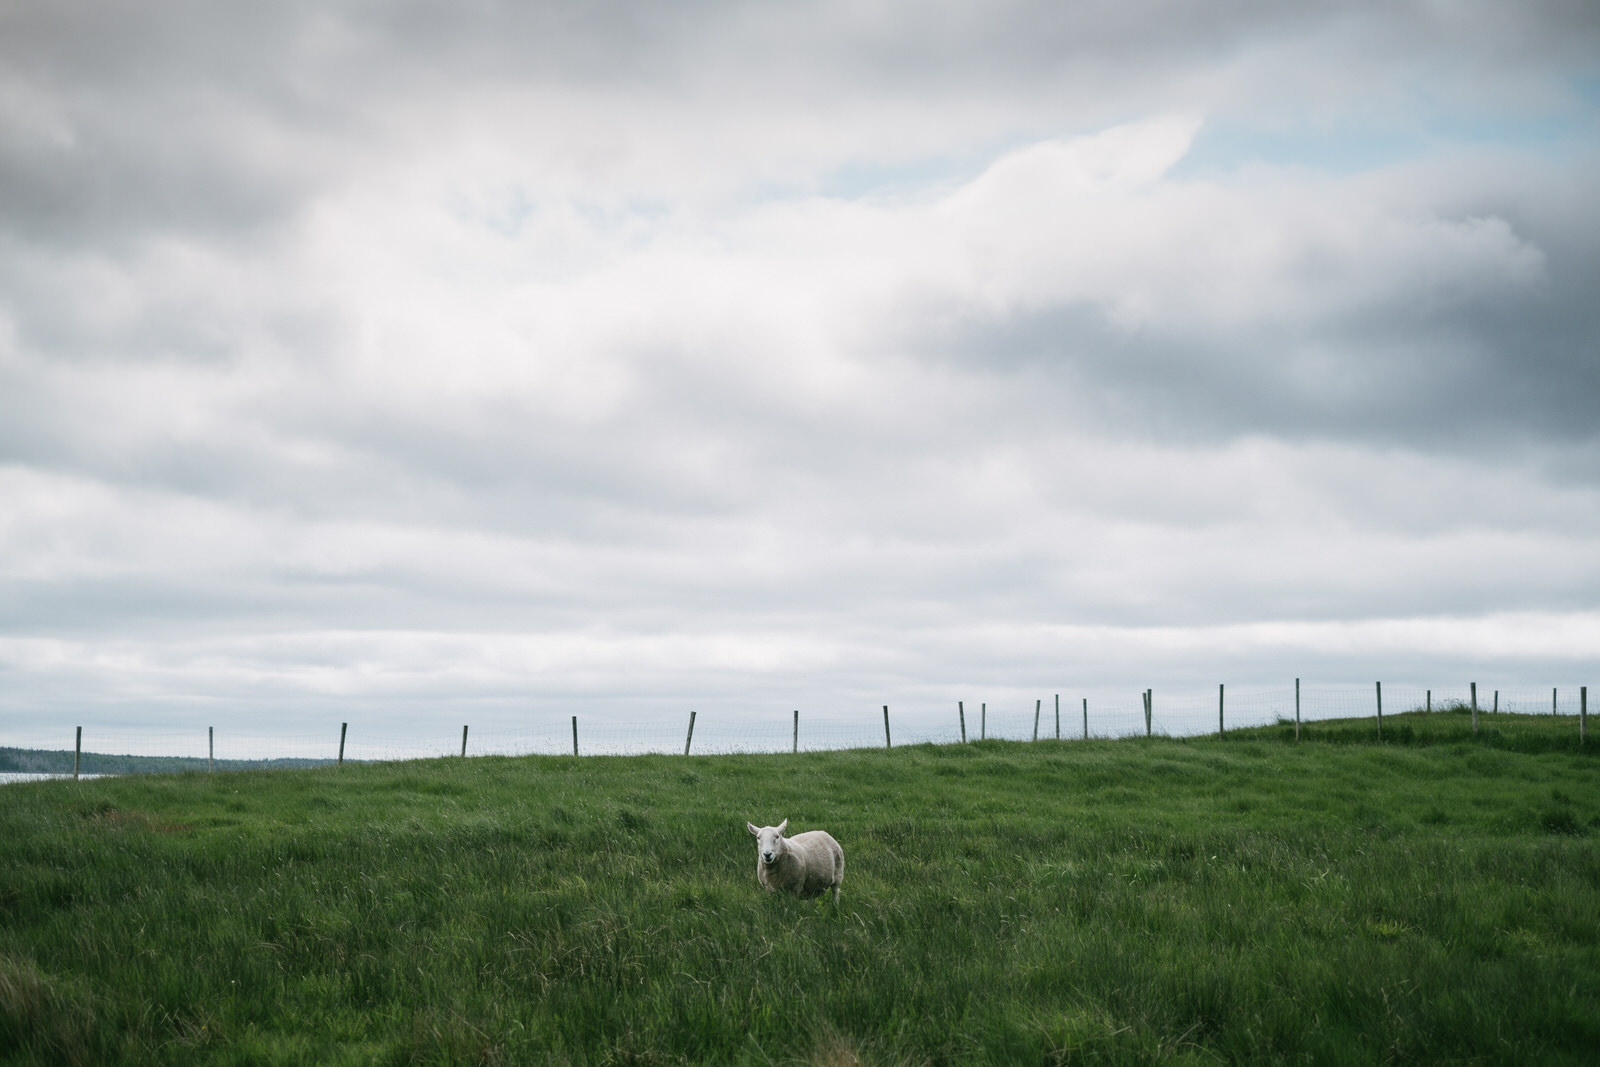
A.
pixel 1297 709
pixel 1036 706
pixel 1583 714
pixel 1496 709
pixel 77 754
pixel 1221 729
pixel 1058 716
pixel 1149 701
pixel 343 727
pixel 1552 702
pixel 1380 710
pixel 797 730
pixel 961 710
pixel 1086 718
pixel 463 741
pixel 886 742
pixel 211 749
pixel 983 721
pixel 687 741
pixel 1474 708
pixel 1429 707
pixel 574 735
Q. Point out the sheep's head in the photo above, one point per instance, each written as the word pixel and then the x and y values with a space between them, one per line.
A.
pixel 769 840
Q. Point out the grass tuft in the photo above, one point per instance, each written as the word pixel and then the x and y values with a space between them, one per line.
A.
pixel 40 1019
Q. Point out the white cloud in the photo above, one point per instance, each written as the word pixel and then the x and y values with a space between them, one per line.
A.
pixel 482 369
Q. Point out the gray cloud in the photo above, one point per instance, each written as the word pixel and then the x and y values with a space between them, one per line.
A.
pixel 630 354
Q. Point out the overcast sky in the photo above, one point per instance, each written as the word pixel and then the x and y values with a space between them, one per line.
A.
pixel 359 360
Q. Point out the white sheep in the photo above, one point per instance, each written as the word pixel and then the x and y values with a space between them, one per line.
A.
pixel 807 864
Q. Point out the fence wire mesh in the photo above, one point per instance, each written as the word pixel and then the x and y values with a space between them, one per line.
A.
pixel 1067 717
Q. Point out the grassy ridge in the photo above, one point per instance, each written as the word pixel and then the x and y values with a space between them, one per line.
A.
pixel 1244 899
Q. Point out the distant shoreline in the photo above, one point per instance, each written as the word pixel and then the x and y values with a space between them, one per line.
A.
pixel 46 763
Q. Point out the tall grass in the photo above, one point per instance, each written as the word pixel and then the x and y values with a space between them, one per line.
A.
pixel 1242 899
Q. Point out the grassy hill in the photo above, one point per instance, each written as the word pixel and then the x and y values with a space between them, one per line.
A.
pixel 1431 898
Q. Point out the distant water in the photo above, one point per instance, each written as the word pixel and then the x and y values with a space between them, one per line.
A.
pixel 7 777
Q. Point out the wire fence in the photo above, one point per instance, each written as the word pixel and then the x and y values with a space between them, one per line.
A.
pixel 1190 712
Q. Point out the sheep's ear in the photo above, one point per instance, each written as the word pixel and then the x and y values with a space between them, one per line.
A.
pixel 782 826
pixel 752 828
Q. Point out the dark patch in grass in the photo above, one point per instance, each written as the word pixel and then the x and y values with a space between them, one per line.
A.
pixel 104 814
pixel 36 890
pixel 1561 821
pixel 632 822
pixel 894 833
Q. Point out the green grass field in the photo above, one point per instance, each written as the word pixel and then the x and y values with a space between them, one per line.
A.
pixel 1432 898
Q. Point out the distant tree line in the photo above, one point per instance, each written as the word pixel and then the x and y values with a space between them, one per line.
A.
pixel 59 761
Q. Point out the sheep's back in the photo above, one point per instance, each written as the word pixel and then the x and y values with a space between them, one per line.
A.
pixel 821 857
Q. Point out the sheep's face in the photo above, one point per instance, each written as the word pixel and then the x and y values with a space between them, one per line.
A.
pixel 769 841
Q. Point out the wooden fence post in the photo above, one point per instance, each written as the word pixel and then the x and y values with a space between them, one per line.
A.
pixel 797 730
pixel 1058 716
pixel 343 728
pixel 1429 707
pixel 1221 728
pixel 1297 709
pixel 463 741
pixel 1474 708
pixel 1552 702
pixel 687 741
pixel 77 754
pixel 574 735
pixel 983 721
pixel 1496 709
pixel 1149 700
pixel 886 742
pixel 1086 718
pixel 1380 710
pixel 211 749
pixel 1037 704
pixel 1583 714
pixel 961 710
